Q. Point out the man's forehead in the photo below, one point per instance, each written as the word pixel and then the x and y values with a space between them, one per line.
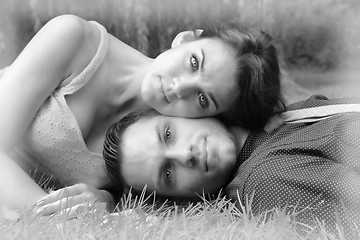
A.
pixel 188 122
pixel 149 124
pixel 134 134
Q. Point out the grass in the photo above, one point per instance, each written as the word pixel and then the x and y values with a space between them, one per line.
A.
pixel 333 84
pixel 206 220
pixel 218 219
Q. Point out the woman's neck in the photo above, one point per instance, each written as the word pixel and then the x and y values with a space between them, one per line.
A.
pixel 131 82
pixel 127 69
pixel 240 135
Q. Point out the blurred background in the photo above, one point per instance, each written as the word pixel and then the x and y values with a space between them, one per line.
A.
pixel 318 41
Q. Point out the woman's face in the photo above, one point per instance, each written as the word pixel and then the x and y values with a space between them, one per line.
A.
pixel 194 79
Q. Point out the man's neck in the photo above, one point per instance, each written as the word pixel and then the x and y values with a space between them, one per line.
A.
pixel 240 135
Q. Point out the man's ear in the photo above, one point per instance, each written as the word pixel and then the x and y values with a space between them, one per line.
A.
pixel 186 36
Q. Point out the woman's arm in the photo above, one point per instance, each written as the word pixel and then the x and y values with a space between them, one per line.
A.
pixel 48 59
pixel 56 53
pixel 17 189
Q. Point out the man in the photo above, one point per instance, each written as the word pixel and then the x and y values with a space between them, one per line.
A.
pixel 309 168
pixel 312 168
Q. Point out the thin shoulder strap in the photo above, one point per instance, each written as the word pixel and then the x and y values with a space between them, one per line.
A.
pixel 315 114
pixel 94 64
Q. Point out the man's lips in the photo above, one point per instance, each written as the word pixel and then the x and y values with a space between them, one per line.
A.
pixel 204 154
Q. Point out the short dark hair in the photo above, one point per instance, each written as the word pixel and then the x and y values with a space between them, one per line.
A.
pixel 258 74
pixel 112 150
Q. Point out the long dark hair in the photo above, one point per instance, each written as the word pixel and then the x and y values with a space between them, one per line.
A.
pixel 258 74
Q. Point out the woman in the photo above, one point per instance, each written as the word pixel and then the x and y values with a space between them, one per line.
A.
pixel 74 79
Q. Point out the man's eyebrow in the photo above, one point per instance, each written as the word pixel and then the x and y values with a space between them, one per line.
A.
pixel 158 176
pixel 202 60
pixel 157 180
pixel 213 100
pixel 158 132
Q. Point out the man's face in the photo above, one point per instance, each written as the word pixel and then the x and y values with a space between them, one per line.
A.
pixel 177 157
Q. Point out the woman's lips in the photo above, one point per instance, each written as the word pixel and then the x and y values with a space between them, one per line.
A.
pixel 163 91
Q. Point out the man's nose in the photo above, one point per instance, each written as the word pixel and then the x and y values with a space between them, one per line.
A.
pixel 185 157
pixel 184 86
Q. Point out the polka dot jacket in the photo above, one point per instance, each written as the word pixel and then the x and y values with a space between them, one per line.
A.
pixel 312 169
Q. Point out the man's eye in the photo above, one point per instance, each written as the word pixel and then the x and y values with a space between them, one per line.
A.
pixel 204 103
pixel 168 176
pixel 167 134
pixel 194 62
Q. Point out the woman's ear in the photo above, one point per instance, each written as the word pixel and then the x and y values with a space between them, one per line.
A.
pixel 186 36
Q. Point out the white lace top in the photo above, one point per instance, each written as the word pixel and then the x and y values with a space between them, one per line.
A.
pixel 54 138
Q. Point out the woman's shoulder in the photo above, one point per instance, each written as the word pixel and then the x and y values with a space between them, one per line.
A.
pixel 66 24
pixel 72 31
pixel 79 39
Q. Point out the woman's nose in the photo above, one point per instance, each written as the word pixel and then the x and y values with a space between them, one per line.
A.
pixel 183 86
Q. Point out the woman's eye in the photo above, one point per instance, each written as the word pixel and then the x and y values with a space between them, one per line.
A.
pixel 167 134
pixel 194 62
pixel 204 103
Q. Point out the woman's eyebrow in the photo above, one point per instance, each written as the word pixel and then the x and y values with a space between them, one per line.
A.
pixel 202 63
pixel 202 66
pixel 213 99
